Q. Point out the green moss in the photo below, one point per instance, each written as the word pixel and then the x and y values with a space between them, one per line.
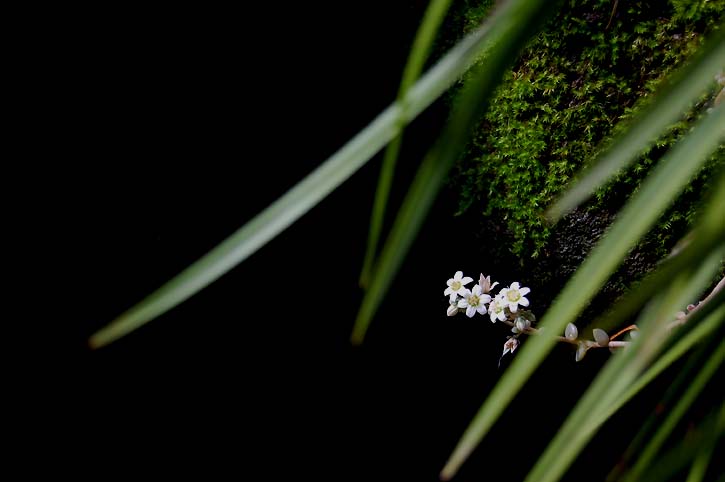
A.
pixel 589 70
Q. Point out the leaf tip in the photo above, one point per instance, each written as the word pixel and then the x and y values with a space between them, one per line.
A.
pixel 358 333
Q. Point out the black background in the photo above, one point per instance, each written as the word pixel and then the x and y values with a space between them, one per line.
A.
pixel 173 127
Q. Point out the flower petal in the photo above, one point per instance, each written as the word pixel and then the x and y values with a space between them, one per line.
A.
pixel 463 303
pixel 485 298
pixel 458 275
pixel 470 311
pixel 524 291
pixel 513 307
pixel 476 290
pixel 448 291
pixel 466 280
pixel 515 285
pixel 524 302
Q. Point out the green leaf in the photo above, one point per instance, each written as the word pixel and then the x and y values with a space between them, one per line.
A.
pixel 515 21
pixel 666 108
pixel 434 15
pixel 657 192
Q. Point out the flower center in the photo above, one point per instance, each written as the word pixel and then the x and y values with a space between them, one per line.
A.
pixel 473 300
pixel 513 295
pixel 456 285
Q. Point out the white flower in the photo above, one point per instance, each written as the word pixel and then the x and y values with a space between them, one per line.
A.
pixel 474 301
pixel 456 285
pixel 510 346
pixel 497 309
pixel 514 296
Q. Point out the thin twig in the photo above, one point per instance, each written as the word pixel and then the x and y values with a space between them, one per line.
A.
pixel 621 344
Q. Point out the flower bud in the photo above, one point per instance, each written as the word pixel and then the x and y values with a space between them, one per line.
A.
pixel 601 337
pixel 522 324
pixel 452 310
pixel 581 351
pixel 571 332
pixel 485 283
pixel 510 345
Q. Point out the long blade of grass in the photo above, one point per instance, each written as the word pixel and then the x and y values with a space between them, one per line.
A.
pixel 308 192
pixel 666 107
pixel 679 410
pixel 657 192
pixel 432 19
pixel 515 21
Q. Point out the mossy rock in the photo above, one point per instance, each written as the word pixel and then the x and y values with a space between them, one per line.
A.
pixel 574 87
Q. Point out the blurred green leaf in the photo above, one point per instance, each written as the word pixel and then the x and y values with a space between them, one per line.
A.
pixel 434 15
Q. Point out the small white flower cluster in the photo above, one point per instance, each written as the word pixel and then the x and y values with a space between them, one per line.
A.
pixel 505 307
pixel 474 301
pixel 502 307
